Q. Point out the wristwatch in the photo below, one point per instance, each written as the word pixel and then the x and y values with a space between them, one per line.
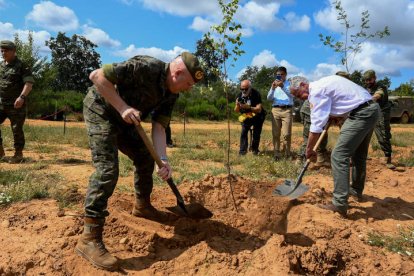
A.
pixel 164 158
pixel 22 97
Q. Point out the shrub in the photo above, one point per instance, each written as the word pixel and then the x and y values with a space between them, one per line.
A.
pixel 53 105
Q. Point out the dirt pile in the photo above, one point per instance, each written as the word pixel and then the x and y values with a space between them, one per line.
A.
pixel 260 234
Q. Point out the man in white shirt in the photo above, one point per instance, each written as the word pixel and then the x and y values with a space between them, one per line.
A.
pixel 336 98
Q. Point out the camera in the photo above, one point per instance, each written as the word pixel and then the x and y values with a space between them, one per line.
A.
pixel 242 100
pixel 278 78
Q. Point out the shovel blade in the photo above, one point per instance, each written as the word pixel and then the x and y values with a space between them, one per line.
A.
pixel 193 210
pixel 291 189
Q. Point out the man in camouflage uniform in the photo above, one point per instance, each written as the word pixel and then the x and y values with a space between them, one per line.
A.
pixel 383 127
pixel 16 82
pixel 322 158
pixel 124 94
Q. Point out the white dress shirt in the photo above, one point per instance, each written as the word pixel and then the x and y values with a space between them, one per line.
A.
pixel 333 96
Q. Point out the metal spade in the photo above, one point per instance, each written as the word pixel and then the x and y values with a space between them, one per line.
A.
pixel 295 189
pixel 193 210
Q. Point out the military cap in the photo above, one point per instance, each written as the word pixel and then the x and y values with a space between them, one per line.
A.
pixel 7 44
pixel 193 66
pixel 369 74
pixel 343 74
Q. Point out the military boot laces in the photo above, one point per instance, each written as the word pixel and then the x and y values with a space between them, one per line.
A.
pixel 144 209
pixel 17 157
pixel 91 247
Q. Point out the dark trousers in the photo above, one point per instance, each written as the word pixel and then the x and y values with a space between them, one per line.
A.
pixel 17 118
pixel 257 123
pixel 383 132
pixel 352 143
pixel 168 135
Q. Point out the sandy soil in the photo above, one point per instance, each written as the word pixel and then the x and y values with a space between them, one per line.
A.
pixel 261 234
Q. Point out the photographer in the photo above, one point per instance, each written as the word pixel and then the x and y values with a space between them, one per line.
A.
pixel 282 102
pixel 249 104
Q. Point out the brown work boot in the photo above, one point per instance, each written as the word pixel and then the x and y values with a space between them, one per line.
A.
pixel 333 208
pixel 91 247
pixel 321 161
pixel 2 153
pixel 144 209
pixel 17 157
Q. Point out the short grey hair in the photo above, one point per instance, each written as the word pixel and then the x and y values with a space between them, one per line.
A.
pixel 296 81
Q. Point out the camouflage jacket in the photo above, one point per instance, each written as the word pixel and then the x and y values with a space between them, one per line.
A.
pixel 13 76
pixel 141 83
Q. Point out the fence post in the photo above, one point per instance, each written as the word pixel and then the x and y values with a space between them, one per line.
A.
pixel 64 122
pixel 184 121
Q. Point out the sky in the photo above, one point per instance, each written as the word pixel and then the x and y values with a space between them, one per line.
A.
pixel 282 33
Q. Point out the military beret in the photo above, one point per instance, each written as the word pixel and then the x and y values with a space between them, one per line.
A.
pixel 343 74
pixel 7 44
pixel 369 74
pixel 193 66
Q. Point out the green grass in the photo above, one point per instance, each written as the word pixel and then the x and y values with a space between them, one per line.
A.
pixel 199 152
pixel 403 243
pixel 19 185
pixel 126 166
pixel 46 139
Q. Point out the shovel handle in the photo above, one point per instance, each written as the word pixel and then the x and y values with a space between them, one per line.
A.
pixel 325 130
pixel 149 145
pixel 158 161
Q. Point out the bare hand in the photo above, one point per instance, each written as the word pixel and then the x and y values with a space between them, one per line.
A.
pixel 131 116
pixel 311 154
pixel 165 172
pixel 277 83
pixel 18 103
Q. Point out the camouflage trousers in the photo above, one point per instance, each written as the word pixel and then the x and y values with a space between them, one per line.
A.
pixel 17 118
pixel 108 134
pixel 383 133
pixel 306 121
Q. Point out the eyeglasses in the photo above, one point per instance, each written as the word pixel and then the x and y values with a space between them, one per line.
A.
pixel 244 89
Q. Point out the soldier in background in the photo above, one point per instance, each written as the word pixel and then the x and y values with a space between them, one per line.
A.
pixel 124 94
pixel 322 158
pixel 383 127
pixel 16 82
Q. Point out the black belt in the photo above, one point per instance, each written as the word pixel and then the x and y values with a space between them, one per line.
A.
pixel 282 106
pixel 366 104
pixel 363 105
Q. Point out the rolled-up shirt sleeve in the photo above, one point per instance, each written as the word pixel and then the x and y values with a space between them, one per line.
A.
pixel 320 104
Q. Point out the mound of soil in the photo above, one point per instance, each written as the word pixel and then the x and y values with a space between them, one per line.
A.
pixel 252 233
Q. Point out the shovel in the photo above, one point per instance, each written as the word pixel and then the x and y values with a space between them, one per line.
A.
pixel 296 189
pixel 193 210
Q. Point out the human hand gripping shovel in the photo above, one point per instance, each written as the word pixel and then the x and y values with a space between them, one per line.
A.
pixel 296 189
pixel 193 210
